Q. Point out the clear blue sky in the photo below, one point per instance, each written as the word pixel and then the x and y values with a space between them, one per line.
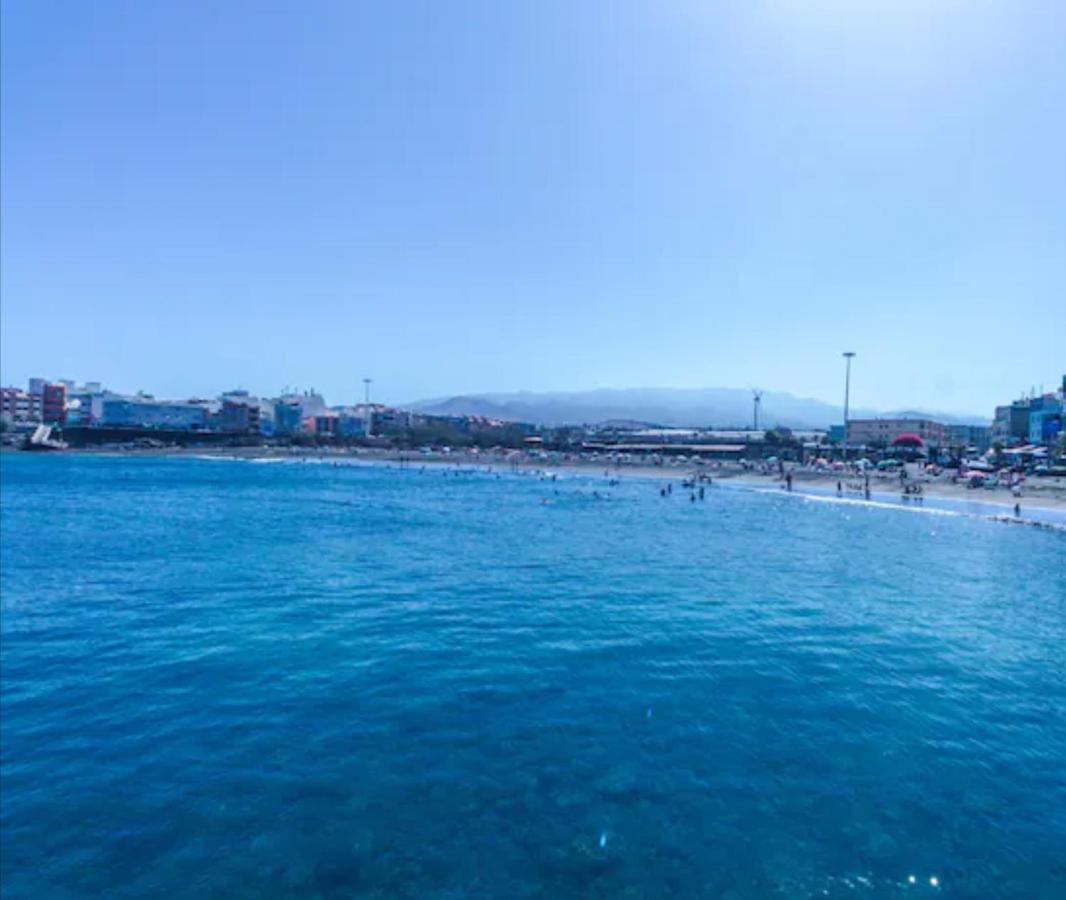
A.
pixel 456 197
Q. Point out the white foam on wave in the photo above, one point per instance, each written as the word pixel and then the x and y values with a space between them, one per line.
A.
pixel 880 504
pixel 911 506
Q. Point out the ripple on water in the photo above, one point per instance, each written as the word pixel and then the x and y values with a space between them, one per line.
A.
pixel 267 680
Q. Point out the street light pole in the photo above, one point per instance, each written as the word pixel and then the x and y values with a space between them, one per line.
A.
pixel 369 415
pixel 847 396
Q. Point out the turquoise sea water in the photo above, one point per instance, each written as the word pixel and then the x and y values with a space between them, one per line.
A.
pixel 231 679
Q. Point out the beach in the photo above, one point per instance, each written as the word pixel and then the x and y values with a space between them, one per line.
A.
pixel 1034 493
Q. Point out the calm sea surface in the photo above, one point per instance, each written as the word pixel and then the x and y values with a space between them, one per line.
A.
pixel 230 679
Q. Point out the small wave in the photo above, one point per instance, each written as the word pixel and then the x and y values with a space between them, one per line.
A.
pixel 915 507
pixel 876 504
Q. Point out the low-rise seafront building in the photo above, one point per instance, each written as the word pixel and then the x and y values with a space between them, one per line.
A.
pixel 882 432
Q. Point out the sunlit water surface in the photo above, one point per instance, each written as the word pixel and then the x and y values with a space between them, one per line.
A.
pixel 227 679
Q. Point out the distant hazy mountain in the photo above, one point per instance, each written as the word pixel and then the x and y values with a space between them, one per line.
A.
pixel 717 407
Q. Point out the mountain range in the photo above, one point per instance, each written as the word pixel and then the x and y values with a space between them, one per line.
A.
pixel 667 407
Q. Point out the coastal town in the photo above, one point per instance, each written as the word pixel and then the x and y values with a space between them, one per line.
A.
pixel 1025 434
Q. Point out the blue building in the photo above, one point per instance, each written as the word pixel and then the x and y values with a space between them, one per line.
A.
pixel 351 425
pixel 979 437
pixel 1045 419
pixel 146 412
pixel 288 417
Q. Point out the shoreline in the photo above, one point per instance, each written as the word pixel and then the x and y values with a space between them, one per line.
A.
pixel 1047 497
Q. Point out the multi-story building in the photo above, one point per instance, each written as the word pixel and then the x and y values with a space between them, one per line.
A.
pixel 147 412
pixel 1045 419
pixel 351 421
pixel 310 403
pixel 1018 423
pixel 287 417
pixel 325 425
pixel 18 406
pixel 979 437
pixel 295 412
pixel 1031 420
pixel 351 425
pixel 882 432
pixel 239 416
pixel 386 420
pixel 266 416
pixel 83 403
pixel 54 404
pixel 1000 433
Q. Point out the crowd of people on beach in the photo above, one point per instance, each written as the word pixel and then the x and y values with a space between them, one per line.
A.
pixel 911 482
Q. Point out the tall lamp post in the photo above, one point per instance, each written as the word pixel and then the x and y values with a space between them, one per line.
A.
pixel 369 415
pixel 848 354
